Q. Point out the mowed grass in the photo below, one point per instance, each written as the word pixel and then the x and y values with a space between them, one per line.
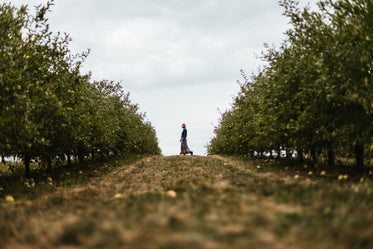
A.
pixel 220 203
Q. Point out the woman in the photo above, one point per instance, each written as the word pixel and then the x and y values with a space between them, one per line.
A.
pixel 183 140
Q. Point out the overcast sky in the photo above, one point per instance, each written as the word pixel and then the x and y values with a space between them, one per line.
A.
pixel 179 59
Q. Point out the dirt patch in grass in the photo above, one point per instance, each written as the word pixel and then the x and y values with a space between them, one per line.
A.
pixel 220 203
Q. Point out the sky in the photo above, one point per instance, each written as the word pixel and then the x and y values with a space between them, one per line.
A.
pixel 179 59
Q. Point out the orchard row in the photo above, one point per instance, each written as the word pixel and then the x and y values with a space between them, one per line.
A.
pixel 315 94
pixel 49 110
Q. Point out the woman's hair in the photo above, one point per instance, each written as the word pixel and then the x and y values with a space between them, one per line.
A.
pixel 183 126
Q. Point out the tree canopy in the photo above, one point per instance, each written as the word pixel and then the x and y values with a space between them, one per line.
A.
pixel 315 93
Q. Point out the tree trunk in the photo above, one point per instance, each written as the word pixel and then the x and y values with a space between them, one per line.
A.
pixel 288 154
pixel 27 165
pixel 81 154
pixel 81 158
pixel 68 160
pixel 359 156
pixel 278 153
pixel 300 155
pixel 331 156
pixel 49 164
pixel 314 155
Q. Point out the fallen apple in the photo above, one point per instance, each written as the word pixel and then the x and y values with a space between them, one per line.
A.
pixel 9 199
pixel 171 194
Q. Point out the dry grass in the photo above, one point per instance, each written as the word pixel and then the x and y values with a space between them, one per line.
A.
pixel 221 203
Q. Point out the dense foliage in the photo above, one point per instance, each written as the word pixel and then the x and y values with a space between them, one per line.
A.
pixel 315 94
pixel 49 110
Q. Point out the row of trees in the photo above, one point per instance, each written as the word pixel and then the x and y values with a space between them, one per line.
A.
pixel 315 93
pixel 49 109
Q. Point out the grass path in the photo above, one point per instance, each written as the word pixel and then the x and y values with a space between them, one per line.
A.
pixel 220 203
